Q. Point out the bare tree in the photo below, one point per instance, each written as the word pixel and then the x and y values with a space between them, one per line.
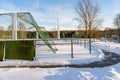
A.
pixel 10 27
pixel 2 28
pixel 22 30
pixel 21 26
pixel 88 16
pixel 117 24
pixel 117 20
pixel 2 32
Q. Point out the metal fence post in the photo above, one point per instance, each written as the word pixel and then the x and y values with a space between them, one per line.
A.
pixel 71 48
pixel 35 49
pixel 90 45
pixel 84 43
pixel 80 42
pixel 4 50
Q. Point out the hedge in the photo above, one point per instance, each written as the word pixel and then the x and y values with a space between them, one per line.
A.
pixel 20 50
pixel 1 50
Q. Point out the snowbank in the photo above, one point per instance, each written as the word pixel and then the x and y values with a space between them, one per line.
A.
pixel 108 46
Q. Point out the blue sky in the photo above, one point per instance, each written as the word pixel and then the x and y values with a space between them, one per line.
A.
pixel 44 11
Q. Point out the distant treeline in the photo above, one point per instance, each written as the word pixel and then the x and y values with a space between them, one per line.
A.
pixel 52 34
pixel 76 34
pixel 20 34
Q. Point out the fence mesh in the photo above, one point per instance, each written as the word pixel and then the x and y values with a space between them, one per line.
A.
pixel 23 26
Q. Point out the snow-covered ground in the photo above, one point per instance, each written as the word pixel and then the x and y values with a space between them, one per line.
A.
pixel 106 73
pixel 62 56
pixel 109 46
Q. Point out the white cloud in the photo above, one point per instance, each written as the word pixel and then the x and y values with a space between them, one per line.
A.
pixel 37 2
pixel 9 7
pixel 48 17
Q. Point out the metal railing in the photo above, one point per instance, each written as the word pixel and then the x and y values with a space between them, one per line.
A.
pixel 71 45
